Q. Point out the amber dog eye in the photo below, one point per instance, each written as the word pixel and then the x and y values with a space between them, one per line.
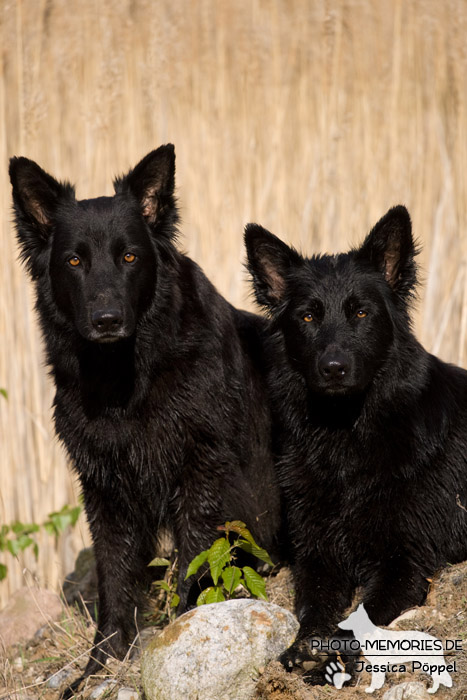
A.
pixel 129 257
pixel 74 261
pixel 361 314
pixel 308 318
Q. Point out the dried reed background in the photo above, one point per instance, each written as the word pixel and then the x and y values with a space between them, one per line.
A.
pixel 312 118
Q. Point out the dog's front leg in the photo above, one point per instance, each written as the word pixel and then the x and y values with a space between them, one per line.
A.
pixel 396 585
pixel 322 596
pixel 123 545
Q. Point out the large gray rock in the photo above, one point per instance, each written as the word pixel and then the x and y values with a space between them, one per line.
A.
pixel 215 652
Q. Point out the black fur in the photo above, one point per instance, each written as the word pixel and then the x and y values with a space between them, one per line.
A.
pixel 159 389
pixel 371 429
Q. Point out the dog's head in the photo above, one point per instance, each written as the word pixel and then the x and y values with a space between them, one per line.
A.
pixel 96 259
pixel 338 313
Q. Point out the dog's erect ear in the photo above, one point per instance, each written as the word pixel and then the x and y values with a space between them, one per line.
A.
pixel 36 195
pixel 269 261
pixel 152 182
pixel 390 248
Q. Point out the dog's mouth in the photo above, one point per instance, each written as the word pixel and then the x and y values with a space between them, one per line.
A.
pixel 349 387
pixel 337 388
pixel 108 339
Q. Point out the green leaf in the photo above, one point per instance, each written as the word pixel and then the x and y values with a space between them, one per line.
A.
pixel 215 595
pixel 24 541
pixel 256 550
pixel 175 600
pixel 17 527
pixel 3 537
pixel 255 583
pixel 4 393
pixel 201 600
pixel 218 556
pixel 13 547
pixel 75 513
pixel 248 544
pixel 231 577
pixel 196 563
pixel 60 520
pixel 159 561
pixel 20 529
pixel 162 584
pixel 212 594
pixel 3 571
pixel 235 526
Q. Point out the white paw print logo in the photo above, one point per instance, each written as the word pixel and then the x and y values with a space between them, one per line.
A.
pixel 336 675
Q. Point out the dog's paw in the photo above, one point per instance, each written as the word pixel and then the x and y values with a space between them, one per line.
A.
pixel 297 656
pixel 335 675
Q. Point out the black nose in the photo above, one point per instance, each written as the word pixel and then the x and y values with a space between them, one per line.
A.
pixel 107 320
pixel 333 365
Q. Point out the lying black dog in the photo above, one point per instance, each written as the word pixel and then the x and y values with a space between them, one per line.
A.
pixel 371 429
pixel 160 397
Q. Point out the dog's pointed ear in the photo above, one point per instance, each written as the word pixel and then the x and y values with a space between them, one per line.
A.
pixel 36 195
pixel 390 248
pixel 152 182
pixel 269 261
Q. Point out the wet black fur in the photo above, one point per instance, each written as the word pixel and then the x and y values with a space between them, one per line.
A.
pixel 371 431
pixel 159 391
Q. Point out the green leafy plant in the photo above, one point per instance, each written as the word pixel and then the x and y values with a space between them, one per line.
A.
pixel 17 537
pixel 4 393
pixel 226 576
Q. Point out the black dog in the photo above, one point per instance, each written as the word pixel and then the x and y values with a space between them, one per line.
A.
pixel 159 387
pixel 372 430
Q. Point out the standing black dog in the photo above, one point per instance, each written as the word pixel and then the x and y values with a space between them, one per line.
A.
pixel 159 390
pixel 372 430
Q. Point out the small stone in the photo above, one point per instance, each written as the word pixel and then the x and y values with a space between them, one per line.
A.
pixel 108 684
pixel 41 633
pixel 407 691
pixel 127 694
pixel 18 664
pixel 58 678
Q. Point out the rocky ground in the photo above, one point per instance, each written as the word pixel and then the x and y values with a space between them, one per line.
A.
pixel 39 667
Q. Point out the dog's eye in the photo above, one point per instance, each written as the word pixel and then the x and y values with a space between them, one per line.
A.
pixel 361 314
pixel 74 261
pixel 308 318
pixel 129 257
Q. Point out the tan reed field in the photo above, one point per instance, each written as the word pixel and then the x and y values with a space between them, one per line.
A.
pixel 310 117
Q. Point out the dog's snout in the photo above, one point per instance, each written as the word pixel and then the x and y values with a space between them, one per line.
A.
pixel 333 365
pixel 107 320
